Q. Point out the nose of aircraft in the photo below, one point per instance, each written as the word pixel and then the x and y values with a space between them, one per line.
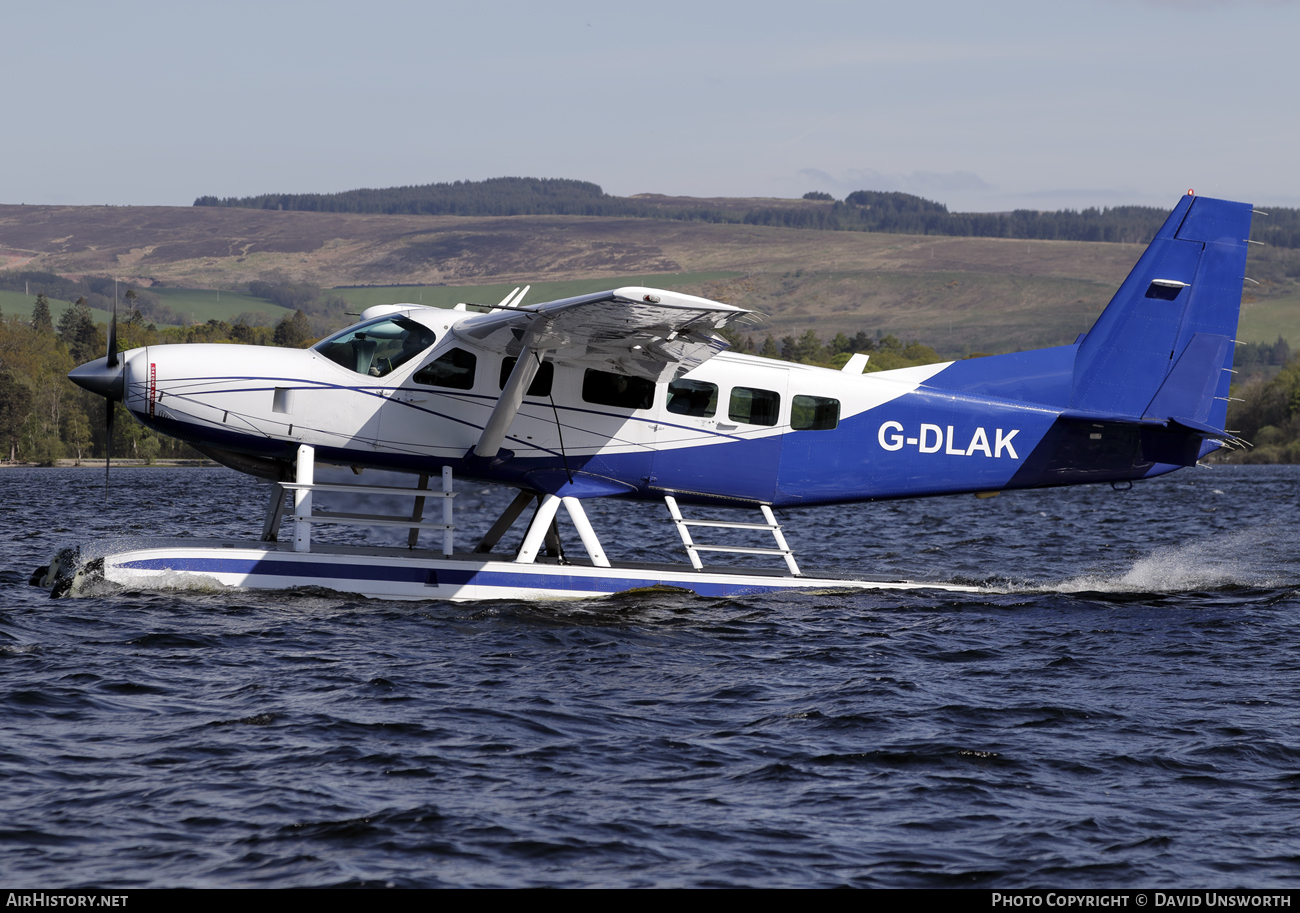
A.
pixel 99 377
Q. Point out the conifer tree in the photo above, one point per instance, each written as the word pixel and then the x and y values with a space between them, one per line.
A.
pixel 41 321
pixel 77 331
pixel 293 332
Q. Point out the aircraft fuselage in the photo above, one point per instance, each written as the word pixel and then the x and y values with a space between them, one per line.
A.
pixel 750 429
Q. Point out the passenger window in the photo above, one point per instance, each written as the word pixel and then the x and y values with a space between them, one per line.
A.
pixel 754 407
pixel 814 413
pixel 541 385
pixel 608 389
pixel 693 397
pixel 454 368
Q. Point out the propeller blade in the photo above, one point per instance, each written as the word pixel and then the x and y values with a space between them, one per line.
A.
pixel 111 362
pixel 108 446
pixel 112 336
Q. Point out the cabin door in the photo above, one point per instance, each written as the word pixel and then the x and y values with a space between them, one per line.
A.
pixel 721 440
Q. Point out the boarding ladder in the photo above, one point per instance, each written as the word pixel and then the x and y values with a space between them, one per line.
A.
pixel 304 486
pixel 693 549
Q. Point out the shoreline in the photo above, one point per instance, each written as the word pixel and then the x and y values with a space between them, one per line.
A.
pixel 99 464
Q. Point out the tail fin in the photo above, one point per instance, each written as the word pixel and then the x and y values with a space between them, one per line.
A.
pixel 1162 347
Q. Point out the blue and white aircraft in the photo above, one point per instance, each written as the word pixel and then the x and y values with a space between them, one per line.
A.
pixel 630 394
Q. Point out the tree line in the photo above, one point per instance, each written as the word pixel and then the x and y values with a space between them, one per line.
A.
pixel 863 210
pixel 509 196
pixel 1268 416
pixel 45 417
pixel 885 352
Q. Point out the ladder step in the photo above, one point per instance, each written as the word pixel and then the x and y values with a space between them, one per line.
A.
pixel 368 489
pixel 726 524
pixel 371 520
pixel 693 549
pixel 743 549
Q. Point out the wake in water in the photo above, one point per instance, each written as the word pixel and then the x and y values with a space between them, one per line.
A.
pixel 1262 557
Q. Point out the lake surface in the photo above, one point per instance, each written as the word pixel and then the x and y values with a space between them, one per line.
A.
pixel 1120 709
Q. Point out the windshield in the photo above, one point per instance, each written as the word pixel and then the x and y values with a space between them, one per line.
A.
pixel 378 346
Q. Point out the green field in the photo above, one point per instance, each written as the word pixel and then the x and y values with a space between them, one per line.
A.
pixel 445 296
pixel 199 305
pixel 1265 321
pixel 202 305
pixel 16 303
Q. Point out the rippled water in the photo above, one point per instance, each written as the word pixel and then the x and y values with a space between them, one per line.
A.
pixel 1120 709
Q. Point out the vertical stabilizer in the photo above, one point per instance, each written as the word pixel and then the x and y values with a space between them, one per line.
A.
pixel 1161 348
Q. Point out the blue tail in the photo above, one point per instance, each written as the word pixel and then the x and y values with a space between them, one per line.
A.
pixel 1146 389
pixel 1161 349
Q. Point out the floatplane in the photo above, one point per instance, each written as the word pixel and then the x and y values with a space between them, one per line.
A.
pixel 630 394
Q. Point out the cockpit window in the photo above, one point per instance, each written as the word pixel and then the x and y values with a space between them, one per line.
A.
pixel 453 368
pixel 378 346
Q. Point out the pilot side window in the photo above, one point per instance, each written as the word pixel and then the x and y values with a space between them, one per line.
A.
pixel 453 368
pixel 378 346
pixel 541 385
pixel 754 407
pixel 605 388
pixel 814 413
pixel 693 397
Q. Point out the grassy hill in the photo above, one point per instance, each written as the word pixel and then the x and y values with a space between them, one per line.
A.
pixel 957 294
pixel 444 296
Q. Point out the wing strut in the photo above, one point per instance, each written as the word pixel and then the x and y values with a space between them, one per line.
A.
pixel 507 407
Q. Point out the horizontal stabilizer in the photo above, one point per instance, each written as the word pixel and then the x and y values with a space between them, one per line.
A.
pixel 1179 423
pixel 1175 423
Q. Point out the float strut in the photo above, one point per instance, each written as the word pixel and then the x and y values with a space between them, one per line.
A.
pixel 304 475
pixel 538 529
pixel 417 513
pixel 446 511
pixel 504 522
pixel 589 540
pixel 274 514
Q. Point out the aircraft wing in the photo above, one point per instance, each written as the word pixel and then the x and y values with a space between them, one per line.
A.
pixel 642 332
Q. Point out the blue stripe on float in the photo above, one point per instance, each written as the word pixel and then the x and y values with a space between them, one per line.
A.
pixel 454 577
pixel 274 568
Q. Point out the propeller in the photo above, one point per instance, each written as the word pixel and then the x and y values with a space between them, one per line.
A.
pixel 105 377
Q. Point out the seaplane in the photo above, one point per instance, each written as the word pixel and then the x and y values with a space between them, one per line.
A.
pixel 630 394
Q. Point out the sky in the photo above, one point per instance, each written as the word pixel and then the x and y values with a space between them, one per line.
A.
pixel 986 106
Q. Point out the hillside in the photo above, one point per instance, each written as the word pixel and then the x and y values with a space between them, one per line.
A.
pixel 956 294
pixel 891 212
